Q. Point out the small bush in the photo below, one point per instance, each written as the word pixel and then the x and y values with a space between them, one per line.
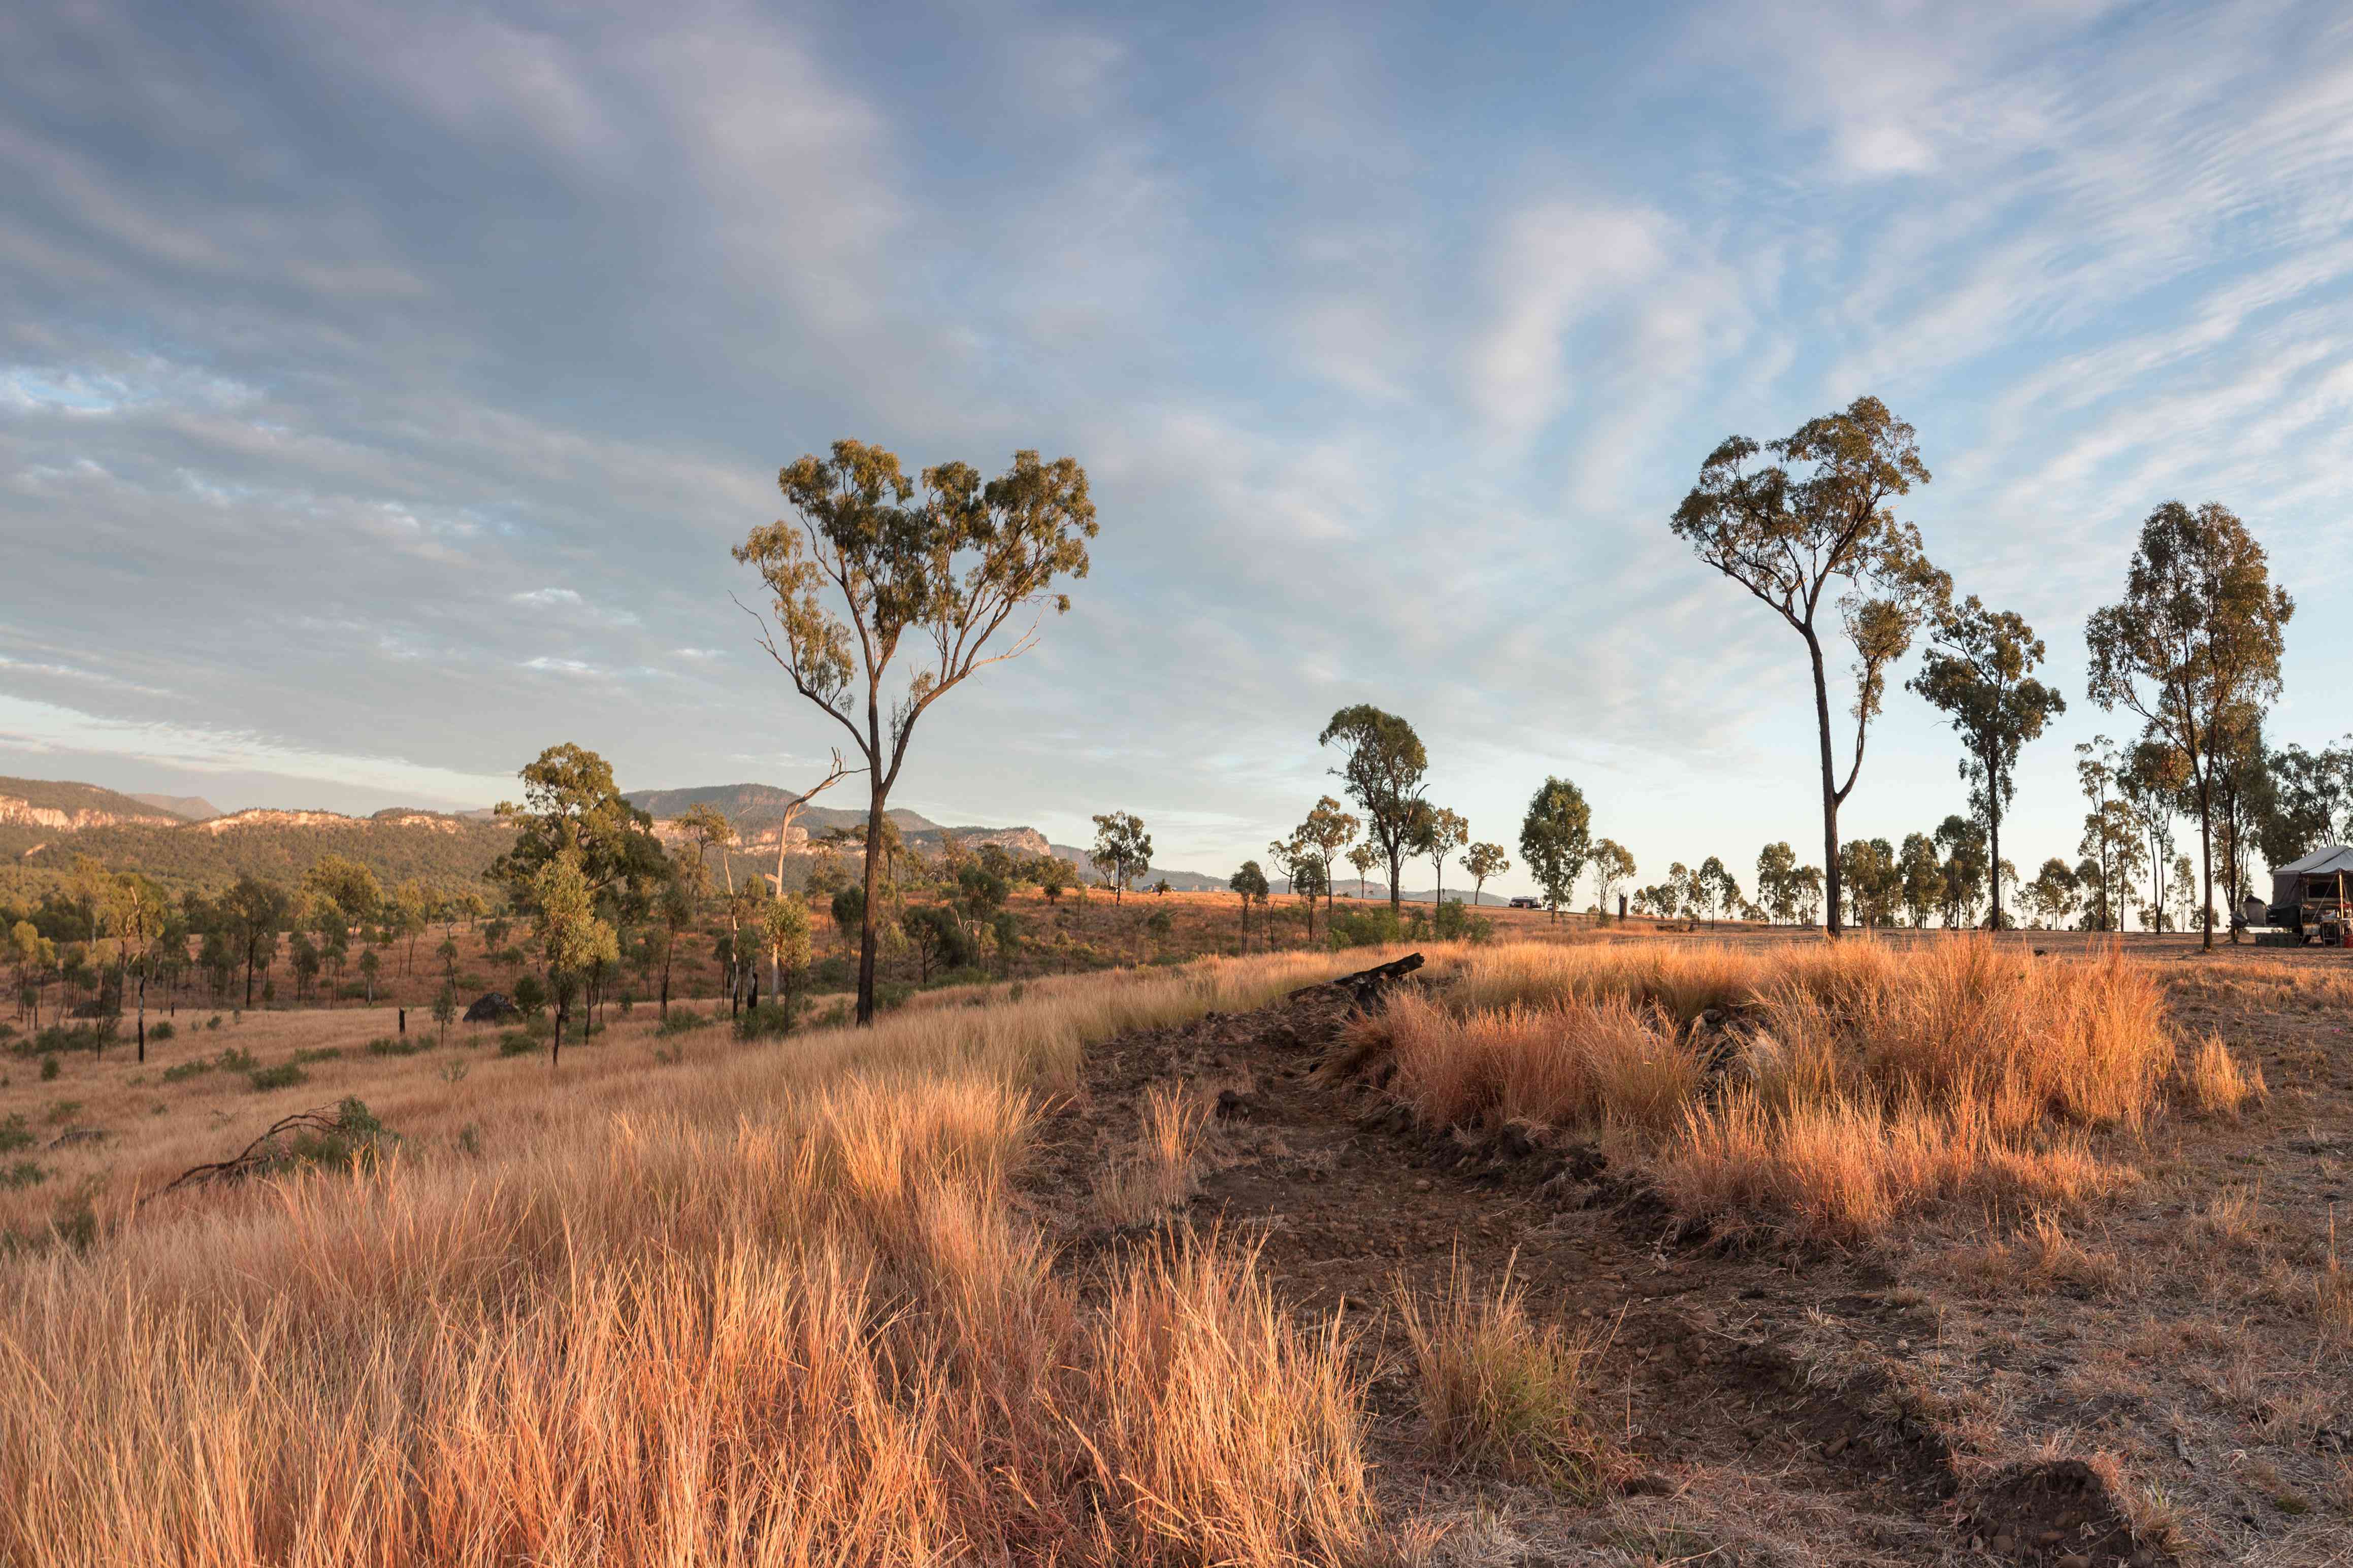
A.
pixel 1364 928
pixel 319 1054
pixel 768 1021
pixel 62 1110
pixel 49 1069
pixel 393 1046
pixel 15 1135
pixel 23 1173
pixel 516 1043
pixel 356 1138
pixel 213 1022
pixel 1497 1390
pixel 683 1021
pixel 235 1060
pixel 455 1071
pixel 285 1075
pixel 180 1072
pixel 160 1032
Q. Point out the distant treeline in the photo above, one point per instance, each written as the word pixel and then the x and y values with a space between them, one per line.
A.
pixel 456 851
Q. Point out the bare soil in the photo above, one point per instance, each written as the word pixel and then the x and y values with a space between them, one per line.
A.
pixel 2157 1380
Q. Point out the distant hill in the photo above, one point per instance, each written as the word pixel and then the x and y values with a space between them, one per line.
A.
pixel 45 825
pixel 62 807
pixel 194 807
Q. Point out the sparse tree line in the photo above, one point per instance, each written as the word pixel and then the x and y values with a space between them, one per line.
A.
pixel 2192 649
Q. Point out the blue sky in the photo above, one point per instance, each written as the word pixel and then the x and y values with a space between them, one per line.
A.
pixel 382 386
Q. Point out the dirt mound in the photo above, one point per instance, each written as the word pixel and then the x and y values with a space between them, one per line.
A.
pixel 2059 1512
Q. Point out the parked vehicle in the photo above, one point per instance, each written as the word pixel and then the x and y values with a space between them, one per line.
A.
pixel 1524 902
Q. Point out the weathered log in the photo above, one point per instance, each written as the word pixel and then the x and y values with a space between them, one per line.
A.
pixel 1366 986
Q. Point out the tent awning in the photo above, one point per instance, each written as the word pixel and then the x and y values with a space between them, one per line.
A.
pixel 2287 881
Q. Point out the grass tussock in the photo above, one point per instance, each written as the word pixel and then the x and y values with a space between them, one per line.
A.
pixel 769 1306
pixel 1821 1089
pixel 2218 1083
pixel 1500 1391
pixel 1160 1173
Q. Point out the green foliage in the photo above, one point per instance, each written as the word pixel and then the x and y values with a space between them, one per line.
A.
pixel 15 1135
pixel 180 1072
pixel 456 851
pixel 683 1021
pixel 355 1139
pixel 1371 926
pixel 394 1045
pixel 318 1054
pixel 234 1059
pixel 1122 849
pixel 49 1069
pixel 530 997
pixel 1382 766
pixel 571 807
pixel 158 1033
pixel 517 1043
pixel 1556 839
pixel 285 1075
pixel 770 1020
pixel 23 1173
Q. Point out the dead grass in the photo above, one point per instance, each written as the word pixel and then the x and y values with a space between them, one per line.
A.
pixel 2218 1083
pixel 766 1305
pixel 1821 1089
pixel 1498 1390
pixel 1159 1174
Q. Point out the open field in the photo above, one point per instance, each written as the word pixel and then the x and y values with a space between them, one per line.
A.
pixel 1620 1247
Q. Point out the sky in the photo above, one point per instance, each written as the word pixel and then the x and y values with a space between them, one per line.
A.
pixel 382 386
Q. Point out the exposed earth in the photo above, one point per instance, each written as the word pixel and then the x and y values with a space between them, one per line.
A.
pixel 2155 1380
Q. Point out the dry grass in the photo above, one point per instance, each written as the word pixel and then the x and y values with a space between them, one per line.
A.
pixel 2218 1083
pixel 1498 1390
pixel 1158 1174
pixel 768 1305
pixel 1817 1088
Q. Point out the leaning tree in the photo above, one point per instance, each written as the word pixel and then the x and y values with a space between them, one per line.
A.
pixel 2193 648
pixel 944 564
pixel 1811 529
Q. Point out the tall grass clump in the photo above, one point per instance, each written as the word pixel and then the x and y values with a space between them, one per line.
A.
pixel 1500 1391
pixel 772 1307
pixel 1822 1089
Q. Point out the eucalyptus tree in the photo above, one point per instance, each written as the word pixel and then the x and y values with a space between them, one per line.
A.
pixel 2195 639
pixel 1978 670
pixel 1483 862
pixel 570 803
pixel 1556 839
pixel 572 939
pixel 1923 878
pixel 1777 882
pixel 1382 766
pixel 1611 865
pixel 1364 858
pixel 1250 885
pixel 1813 519
pixel 1328 830
pixel 1122 852
pixel 1303 869
pixel 875 561
pixel 1439 832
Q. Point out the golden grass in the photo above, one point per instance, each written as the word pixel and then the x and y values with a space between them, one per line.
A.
pixel 1820 1088
pixel 1159 1173
pixel 768 1305
pixel 2219 1083
pixel 1498 1390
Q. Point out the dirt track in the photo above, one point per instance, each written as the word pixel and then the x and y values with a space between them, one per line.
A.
pixel 1910 1402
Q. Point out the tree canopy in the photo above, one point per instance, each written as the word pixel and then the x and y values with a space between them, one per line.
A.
pixel 1555 840
pixel 1382 766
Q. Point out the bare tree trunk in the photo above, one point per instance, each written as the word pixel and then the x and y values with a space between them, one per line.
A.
pixel 870 929
pixel 1993 837
pixel 1829 792
pixel 2206 857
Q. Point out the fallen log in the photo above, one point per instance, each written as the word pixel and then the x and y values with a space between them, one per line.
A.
pixel 1366 986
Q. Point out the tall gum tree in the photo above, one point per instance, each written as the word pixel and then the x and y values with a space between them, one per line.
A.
pixel 944 564
pixel 2193 648
pixel 1383 769
pixel 1979 671
pixel 1815 519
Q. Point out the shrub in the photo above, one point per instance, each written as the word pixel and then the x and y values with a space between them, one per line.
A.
pixel 15 1135
pixel 768 1021
pixel 393 1046
pixel 319 1054
pixel 285 1075
pixel 23 1173
pixel 49 1069
pixel 234 1059
pixel 180 1072
pixel 516 1043
pixel 1495 1389
pixel 1363 928
pixel 529 996
pixel 683 1021
pixel 160 1032
pixel 356 1138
